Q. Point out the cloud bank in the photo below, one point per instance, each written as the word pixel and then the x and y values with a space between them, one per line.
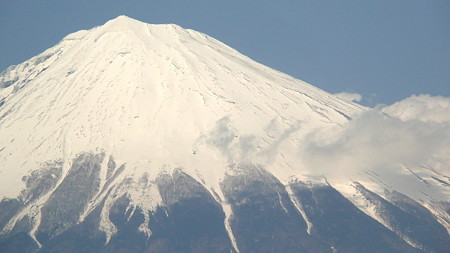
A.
pixel 408 133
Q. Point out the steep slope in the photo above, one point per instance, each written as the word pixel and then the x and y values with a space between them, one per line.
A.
pixel 155 134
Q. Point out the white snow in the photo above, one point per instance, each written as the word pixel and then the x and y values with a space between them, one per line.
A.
pixel 228 216
pixel 441 214
pixel 299 208
pixel 360 201
pixel 105 224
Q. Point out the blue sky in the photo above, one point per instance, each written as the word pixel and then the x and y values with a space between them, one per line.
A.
pixel 384 50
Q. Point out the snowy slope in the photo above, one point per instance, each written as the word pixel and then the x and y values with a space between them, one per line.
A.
pixel 150 94
pixel 160 97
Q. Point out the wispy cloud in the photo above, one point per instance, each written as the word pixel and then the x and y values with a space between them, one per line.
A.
pixel 422 107
pixel 229 143
pixel 350 97
pixel 245 147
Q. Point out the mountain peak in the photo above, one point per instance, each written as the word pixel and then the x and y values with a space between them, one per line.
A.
pixel 123 22
pixel 123 18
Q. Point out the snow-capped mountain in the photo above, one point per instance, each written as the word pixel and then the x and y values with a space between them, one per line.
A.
pixel 132 137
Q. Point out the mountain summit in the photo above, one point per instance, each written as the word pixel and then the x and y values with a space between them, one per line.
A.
pixel 134 137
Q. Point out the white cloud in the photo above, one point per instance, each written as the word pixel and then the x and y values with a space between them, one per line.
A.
pixel 225 138
pixel 350 97
pixel 383 143
pixel 375 140
pixel 423 107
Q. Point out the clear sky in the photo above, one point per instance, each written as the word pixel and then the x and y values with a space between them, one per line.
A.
pixel 385 50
